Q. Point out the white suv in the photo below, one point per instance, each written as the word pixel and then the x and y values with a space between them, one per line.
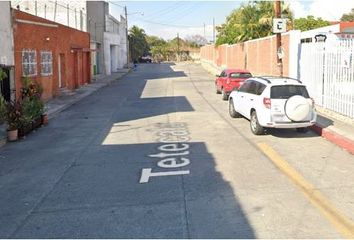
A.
pixel 273 102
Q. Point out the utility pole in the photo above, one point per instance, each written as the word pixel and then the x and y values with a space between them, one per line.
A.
pixel 126 34
pixel 277 6
pixel 214 30
pixel 177 47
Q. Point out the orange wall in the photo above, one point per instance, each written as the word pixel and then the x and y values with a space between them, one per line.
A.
pixel 257 56
pixel 72 44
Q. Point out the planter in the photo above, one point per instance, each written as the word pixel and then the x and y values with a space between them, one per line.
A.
pixel 25 129
pixel 36 123
pixel 45 119
pixel 12 135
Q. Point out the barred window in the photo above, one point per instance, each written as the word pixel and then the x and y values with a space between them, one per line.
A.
pixel 29 63
pixel 46 63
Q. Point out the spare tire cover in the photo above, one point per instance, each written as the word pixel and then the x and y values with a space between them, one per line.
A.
pixel 297 108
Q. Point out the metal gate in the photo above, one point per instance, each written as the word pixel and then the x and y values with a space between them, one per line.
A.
pixel 328 71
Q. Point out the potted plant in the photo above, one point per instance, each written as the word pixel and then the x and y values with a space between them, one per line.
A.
pixel 33 106
pixel 44 118
pixel 38 109
pixel 26 125
pixel 13 118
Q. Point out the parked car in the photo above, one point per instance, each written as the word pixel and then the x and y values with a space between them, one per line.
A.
pixel 145 59
pixel 230 79
pixel 273 102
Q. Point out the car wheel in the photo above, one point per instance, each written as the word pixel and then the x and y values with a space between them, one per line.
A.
pixel 232 110
pixel 217 90
pixel 224 95
pixel 255 127
pixel 302 130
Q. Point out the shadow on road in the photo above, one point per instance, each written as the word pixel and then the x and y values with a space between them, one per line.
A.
pixel 64 181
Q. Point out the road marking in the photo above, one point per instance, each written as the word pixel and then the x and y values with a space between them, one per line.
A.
pixel 341 222
pixel 174 137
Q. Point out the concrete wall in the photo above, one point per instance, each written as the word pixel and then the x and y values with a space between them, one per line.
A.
pixel 122 61
pixel 111 33
pixel 110 47
pixel 96 23
pixel 6 37
pixel 258 56
pixel 72 45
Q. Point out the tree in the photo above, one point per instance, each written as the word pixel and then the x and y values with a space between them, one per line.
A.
pixel 196 40
pixel 250 21
pixel 137 43
pixel 348 17
pixel 308 23
pixel 158 47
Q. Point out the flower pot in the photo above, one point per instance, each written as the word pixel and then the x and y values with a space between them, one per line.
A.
pixel 25 129
pixel 36 123
pixel 45 119
pixel 12 135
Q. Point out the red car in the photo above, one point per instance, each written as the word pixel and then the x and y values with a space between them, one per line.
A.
pixel 229 79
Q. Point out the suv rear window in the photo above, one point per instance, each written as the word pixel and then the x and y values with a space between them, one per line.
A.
pixel 287 91
pixel 240 75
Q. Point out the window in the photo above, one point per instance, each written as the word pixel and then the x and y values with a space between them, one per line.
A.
pixel 287 91
pixel 223 74
pixel 46 63
pixel 29 63
pixel 245 87
pixel 240 75
pixel 260 88
pixel 252 87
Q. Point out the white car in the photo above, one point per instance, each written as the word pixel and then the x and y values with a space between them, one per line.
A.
pixel 273 102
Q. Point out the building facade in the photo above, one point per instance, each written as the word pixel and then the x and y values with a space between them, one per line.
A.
pixel 331 32
pixel 7 85
pixel 52 54
pixel 108 38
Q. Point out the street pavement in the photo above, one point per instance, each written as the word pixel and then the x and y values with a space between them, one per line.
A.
pixel 155 155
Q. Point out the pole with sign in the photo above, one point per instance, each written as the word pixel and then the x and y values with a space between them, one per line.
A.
pixel 279 27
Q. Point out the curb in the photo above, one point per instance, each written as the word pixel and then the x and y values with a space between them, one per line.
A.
pixel 335 138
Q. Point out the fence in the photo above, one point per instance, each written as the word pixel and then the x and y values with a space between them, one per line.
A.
pixel 258 56
pixel 328 71
pixel 326 68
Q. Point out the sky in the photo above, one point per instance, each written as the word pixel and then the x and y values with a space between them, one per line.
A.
pixel 166 19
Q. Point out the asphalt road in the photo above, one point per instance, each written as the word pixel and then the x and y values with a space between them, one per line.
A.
pixel 155 155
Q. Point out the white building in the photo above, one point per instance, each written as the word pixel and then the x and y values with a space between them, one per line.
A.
pixel 108 38
pixel 331 32
pixel 7 62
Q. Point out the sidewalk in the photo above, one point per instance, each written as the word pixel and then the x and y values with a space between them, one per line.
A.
pixel 68 98
pixel 335 128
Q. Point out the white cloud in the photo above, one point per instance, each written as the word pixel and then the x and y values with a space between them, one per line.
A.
pixel 298 8
pixel 329 9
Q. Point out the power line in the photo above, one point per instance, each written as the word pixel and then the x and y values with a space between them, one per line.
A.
pixel 166 24
pixel 116 4
pixel 162 11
